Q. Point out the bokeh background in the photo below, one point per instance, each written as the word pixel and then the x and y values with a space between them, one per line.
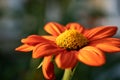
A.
pixel 20 18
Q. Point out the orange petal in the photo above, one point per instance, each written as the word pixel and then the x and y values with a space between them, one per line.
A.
pixel 100 32
pixel 48 68
pixel 107 44
pixel 44 49
pixel 34 39
pixel 91 56
pixel 52 38
pixel 24 48
pixel 54 28
pixel 75 26
pixel 66 59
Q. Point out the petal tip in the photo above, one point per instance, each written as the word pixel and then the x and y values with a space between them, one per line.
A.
pixel 17 49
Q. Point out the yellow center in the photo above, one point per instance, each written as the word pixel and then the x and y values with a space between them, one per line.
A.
pixel 71 39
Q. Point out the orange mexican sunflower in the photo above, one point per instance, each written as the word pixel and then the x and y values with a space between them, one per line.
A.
pixel 69 44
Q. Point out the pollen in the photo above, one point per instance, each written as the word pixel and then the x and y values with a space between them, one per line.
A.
pixel 71 40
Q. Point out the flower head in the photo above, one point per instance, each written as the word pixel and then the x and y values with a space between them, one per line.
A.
pixel 70 44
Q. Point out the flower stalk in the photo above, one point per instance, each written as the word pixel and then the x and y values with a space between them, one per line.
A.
pixel 67 74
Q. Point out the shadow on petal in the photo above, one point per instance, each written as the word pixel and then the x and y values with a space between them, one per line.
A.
pixel 67 59
pixel 48 68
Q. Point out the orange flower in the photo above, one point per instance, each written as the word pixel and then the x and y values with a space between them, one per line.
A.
pixel 70 44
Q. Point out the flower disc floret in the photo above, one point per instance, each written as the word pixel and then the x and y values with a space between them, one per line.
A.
pixel 71 40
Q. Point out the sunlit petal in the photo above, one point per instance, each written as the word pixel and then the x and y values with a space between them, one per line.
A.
pixel 107 44
pixel 24 48
pixel 91 56
pixel 100 32
pixel 52 38
pixel 34 39
pixel 75 26
pixel 54 28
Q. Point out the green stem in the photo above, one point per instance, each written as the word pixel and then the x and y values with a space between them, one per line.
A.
pixel 67 74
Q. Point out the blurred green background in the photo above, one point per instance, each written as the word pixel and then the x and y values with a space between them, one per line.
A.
pixel 20 18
